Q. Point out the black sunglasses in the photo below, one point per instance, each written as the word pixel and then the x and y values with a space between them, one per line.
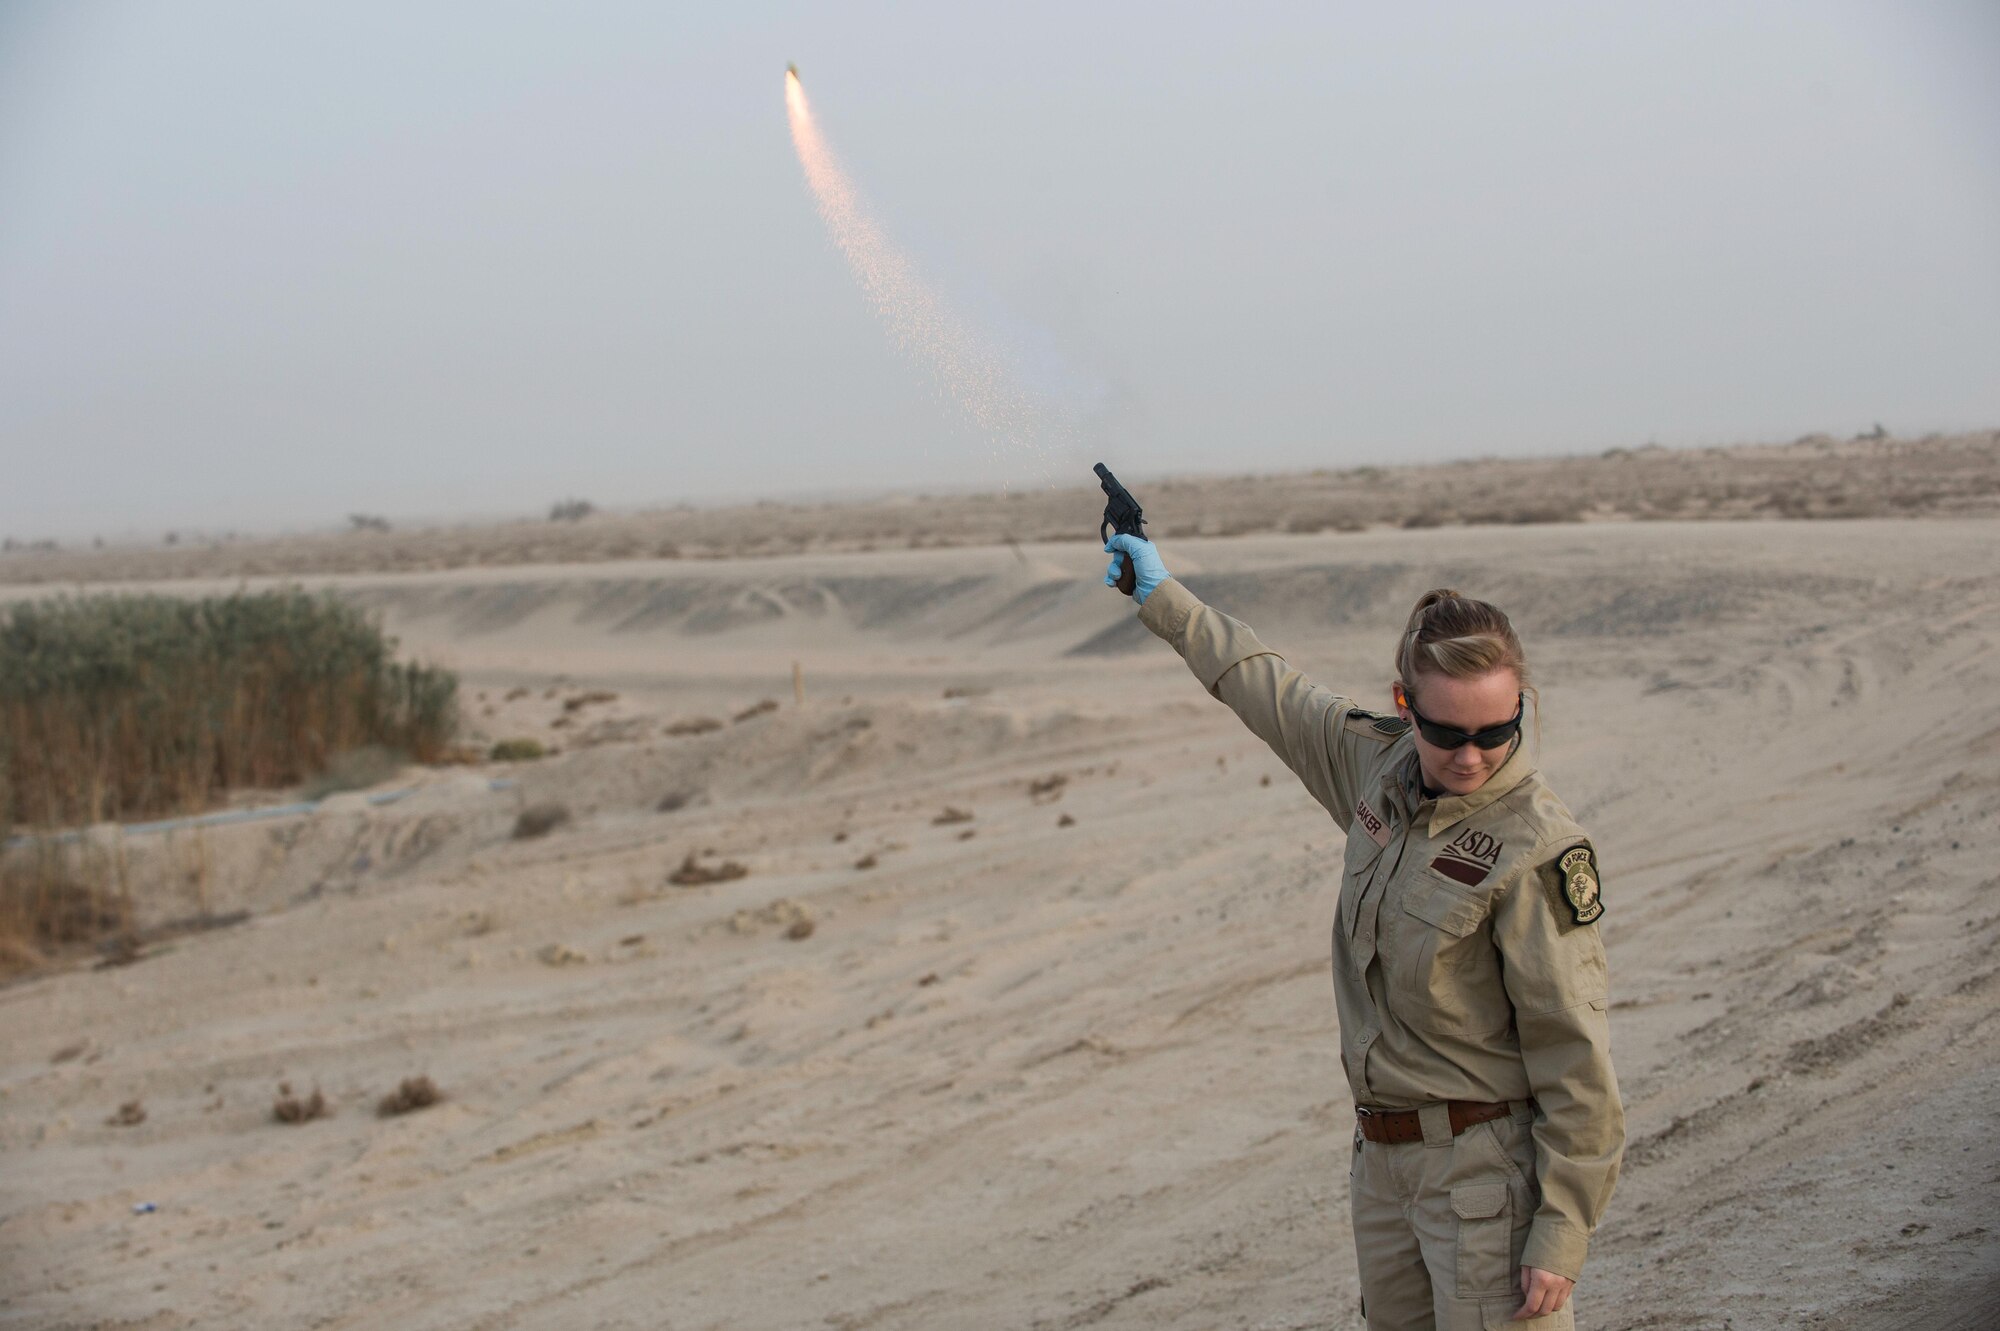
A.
pixel 1446 737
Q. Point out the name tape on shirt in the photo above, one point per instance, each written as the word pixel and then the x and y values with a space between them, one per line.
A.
pixel 1377 830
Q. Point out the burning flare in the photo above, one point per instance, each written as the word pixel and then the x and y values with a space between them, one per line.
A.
pixel 962 364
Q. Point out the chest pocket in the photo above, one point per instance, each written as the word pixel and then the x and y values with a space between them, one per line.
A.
pixel 1432 902
pixel 1445 974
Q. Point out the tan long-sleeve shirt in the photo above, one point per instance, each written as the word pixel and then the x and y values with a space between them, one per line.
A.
pixel 1466 960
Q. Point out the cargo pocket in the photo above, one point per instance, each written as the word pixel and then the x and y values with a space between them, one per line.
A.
pixel 1485 1239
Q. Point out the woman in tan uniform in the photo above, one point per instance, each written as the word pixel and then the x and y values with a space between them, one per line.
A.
pixel 1467 966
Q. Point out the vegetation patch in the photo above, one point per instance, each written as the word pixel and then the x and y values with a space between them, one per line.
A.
pixel 116 708
pixel 413 1094
pixel 289 1108
pixel 121 707
pixel 59 899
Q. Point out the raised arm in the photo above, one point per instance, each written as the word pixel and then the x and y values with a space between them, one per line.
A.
pixel 1319 734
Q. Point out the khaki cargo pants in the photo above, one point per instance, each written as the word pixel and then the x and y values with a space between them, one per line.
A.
pixel 1439 1226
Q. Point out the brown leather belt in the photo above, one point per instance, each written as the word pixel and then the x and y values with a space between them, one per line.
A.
pixel 1393 1127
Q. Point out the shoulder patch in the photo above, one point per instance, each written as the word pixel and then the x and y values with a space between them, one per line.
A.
pixel 1580 885
pixel 1391 725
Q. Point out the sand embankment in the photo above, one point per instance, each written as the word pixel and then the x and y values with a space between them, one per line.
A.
pixel 1078 1067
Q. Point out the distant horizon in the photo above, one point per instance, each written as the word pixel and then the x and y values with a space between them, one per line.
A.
pixel 860 494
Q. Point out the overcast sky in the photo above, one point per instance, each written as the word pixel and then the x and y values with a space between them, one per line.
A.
pixel 266 264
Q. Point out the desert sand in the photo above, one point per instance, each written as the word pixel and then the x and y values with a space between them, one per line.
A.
pixel 1071 1060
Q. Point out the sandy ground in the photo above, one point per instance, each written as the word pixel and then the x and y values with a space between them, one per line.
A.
pixel 1071 1061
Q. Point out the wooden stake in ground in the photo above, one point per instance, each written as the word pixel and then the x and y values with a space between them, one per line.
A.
pixel 798 685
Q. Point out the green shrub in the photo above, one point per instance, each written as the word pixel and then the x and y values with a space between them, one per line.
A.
pixel 516 750
pixel 114 707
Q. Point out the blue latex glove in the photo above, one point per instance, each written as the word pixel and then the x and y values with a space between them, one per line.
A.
pixel 1145 564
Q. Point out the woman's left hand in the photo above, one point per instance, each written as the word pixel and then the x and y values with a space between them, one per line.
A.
pixel 1542 1292
pixel 1146 566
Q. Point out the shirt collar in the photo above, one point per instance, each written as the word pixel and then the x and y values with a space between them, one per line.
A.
pixel 1451 809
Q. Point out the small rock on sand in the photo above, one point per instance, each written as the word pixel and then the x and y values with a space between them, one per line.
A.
pixel 792 917
pixel 692 873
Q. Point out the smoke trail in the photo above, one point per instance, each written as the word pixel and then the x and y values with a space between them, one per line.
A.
pixel 963 365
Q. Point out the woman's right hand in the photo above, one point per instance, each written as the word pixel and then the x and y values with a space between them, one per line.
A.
pixel 1542 1293
pixel 1148 570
